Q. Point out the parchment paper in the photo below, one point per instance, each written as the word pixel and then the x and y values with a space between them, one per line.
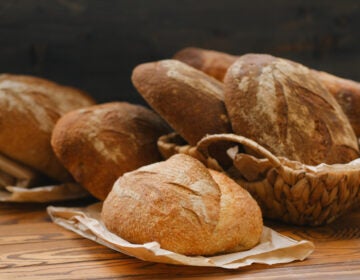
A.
pixel 274 248
pixel 19 183
pixel 49 193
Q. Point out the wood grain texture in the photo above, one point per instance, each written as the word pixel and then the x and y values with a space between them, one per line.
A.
pixel 31 247
pixel 94 44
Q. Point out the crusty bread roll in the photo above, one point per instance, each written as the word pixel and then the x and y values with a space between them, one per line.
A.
pixel 189 100
pixel 282 105
pixel 347 94
pixel 213 63
pixel 30 108
pixel 184 206
pixel 99 143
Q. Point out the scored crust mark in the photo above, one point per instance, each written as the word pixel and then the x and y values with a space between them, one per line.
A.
pixel 192 213
pixel 184 188
pixel 282 105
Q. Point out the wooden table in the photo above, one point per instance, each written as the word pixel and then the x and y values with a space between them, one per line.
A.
pixel 32 247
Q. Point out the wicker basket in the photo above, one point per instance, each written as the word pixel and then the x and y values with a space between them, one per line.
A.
pixel 285 190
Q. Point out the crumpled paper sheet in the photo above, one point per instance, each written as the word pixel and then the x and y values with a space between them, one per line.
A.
pixel 274 248
pixel 42 194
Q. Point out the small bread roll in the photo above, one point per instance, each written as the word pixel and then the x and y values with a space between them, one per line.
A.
pixel 99 143
pixel 185 207
pixel 30 107
pixel 347 94
pixel 213 63
pixel 190 101
pixel 283 106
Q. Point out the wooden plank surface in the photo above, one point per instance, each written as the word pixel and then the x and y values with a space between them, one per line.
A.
pixel 31 247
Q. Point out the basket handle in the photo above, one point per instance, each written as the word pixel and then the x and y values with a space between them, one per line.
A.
pixel 204 143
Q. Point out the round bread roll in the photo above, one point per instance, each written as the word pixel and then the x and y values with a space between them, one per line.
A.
pixel 30 107
pixel 185 207
pixel 99 143
pixel 213 63
pixel 283 106
pixel 190 101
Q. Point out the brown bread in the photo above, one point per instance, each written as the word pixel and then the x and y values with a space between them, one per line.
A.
pixel 285 108
pixel 213 63
pixel 100 143
pixel 190 101
pixel 184 206
pixel 30 107
pixel 347 94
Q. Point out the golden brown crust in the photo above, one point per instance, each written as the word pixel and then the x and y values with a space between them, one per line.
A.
pixel 347 94
pixel 184 206
pixel 30 107
pixel 285 108
pixel 213 63
pixel 189 100
pixel 99 143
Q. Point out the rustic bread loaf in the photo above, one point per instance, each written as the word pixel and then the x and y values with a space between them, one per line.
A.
pixel 347 94
pixel 184 206
pixel 213 63
pixel 99 143
pixel 282 105
pixel 30 107
pixel 189 100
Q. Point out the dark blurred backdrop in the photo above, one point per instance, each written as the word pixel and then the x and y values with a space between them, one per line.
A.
pixel 94 44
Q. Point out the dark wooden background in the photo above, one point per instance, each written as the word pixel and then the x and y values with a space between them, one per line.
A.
pixel 94 44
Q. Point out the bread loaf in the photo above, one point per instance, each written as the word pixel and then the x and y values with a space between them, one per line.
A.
pixel 99 143
pixel 281 105
pixel 213 63
pixel 347 94
pixel 30 107
pixel 189 100
pixel 184 206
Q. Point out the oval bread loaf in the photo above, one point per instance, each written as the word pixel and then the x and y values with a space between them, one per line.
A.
pixel 99 143
pixel 213 63
pixel 30 107
pixel 282 105
pixel 190 101
pixel 347 94
pixel 184 206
